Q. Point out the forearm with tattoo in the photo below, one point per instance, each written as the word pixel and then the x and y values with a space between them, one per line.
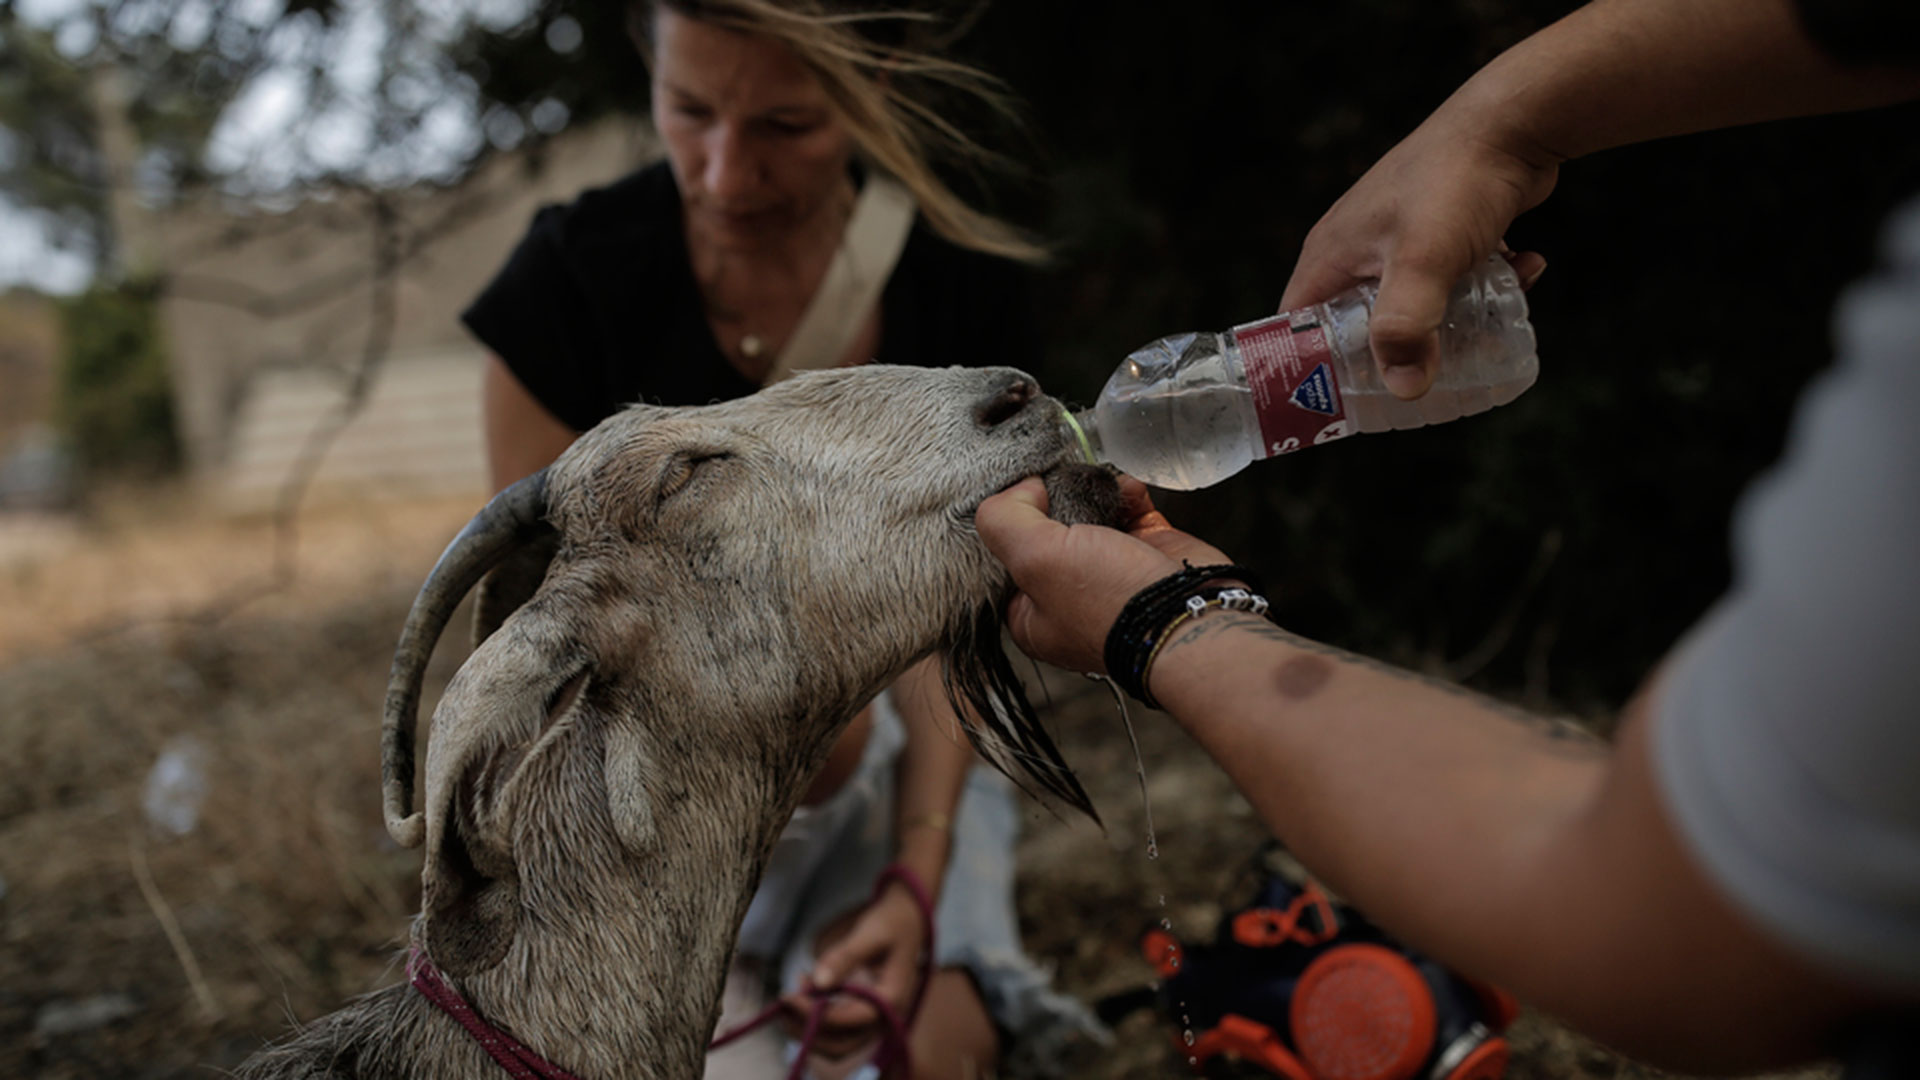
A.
pixel 1297 679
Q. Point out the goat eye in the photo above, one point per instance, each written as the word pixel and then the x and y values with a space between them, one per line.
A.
pixel 684 469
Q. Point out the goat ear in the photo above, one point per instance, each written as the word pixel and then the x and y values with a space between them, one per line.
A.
pixel 497 719
pixel 470 894
pixel 631 777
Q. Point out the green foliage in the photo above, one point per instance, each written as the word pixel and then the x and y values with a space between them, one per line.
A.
pixel 170 71
pixel 51 158
pixel 48 160
pixel 113 397
pixel 518 68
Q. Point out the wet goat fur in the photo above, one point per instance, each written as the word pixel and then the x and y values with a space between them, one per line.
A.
pixel 607 772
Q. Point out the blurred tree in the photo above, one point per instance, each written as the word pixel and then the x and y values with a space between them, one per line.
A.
pixel 46 136
pixel 571 60
pixel 111 110
pixel 259 98
pixel 113 398
pixel 52 97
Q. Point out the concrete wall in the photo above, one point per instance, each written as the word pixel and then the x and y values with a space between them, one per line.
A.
pixel 270 315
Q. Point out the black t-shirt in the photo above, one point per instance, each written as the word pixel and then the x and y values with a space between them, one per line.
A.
pixel 597 308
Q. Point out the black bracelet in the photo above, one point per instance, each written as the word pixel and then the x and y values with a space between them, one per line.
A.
pixel 1141 629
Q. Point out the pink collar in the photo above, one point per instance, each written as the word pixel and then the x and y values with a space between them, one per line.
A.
pixel 511 1053
pixel 523 1064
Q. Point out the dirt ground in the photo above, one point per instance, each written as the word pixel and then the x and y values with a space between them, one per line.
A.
pixel 130 951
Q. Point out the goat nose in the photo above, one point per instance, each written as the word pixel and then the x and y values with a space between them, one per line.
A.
pixel 1005 401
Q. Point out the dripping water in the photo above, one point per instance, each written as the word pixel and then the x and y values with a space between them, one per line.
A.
pixel 1139 770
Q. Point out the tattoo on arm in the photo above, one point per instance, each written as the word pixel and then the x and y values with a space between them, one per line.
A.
pixel 1302 680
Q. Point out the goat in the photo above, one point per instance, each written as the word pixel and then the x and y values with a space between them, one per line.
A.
pixel 607 772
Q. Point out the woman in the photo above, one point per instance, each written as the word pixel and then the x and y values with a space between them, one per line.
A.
pixel 681 285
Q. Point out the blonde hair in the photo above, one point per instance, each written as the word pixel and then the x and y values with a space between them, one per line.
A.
pixel 871 83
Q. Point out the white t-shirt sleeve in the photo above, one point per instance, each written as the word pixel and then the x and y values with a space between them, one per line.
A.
pixel 1787 734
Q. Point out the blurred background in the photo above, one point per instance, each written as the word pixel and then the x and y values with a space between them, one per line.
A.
pixel 238 419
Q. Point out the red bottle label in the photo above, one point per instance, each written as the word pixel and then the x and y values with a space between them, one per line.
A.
pixel 1290 370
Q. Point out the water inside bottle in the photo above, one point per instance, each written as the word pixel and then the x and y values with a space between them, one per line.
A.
pixel 1177 414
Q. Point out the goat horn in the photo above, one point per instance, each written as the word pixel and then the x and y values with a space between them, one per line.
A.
pixel 514 518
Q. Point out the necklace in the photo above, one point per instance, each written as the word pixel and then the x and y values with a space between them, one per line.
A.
pixel 752 345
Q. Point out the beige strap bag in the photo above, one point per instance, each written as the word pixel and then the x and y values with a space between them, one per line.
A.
pixel 876 233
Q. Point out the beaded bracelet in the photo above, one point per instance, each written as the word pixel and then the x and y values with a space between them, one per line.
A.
pixel 1231 599
pixel 1150 617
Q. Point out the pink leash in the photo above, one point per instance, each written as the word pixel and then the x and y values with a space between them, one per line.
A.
pixel 893 1040
pixel 523 1064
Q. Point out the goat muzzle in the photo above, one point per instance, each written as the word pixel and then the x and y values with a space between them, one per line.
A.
pixel 1006 400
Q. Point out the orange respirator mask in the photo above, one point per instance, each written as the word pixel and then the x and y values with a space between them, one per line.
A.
pixel 1297 986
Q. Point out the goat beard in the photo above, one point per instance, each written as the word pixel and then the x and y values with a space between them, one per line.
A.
pixel 998 717
pixel 980 680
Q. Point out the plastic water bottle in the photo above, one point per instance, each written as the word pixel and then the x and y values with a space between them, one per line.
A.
pixel 1193 409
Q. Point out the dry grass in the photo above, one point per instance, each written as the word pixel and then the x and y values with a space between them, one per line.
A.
pixel 288 898
pixel 145 557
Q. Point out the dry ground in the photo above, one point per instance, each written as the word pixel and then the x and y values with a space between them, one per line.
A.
pixel 128 953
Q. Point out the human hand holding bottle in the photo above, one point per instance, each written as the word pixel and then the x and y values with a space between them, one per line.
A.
pixel 1424 216
pixel 1606 75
